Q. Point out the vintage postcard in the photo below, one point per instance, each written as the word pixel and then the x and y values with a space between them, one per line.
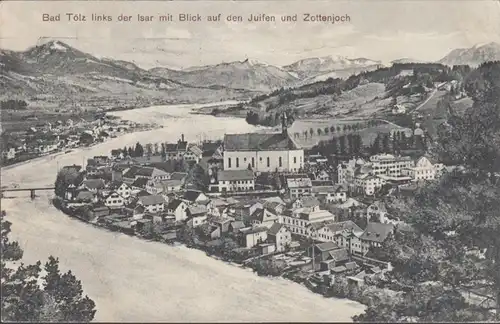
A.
pixel 250 161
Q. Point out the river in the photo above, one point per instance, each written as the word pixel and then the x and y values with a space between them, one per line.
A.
pixel 132 280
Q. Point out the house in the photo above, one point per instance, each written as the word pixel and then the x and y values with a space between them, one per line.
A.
pixel 197 215
pixel 322 176
pixel 280 235
pixel 178 208
pixel 114 200
pixel 193 153
pixel 253 236
pixel 209 232
pixel 138 212
pixel 99 211
pixel 139 184
pixel 374 235
pixel 194 196
pixel 262 152
pixel 335 258
pixel 86 196
pixel 152 203
pixel 266 248
pixel 345 234
pixel 377 212
pixel 176 151
pixel 235 180
pixel 330 194
pixel 150 173
pixel 121 188
pixel 9 154
pixel 329 232
pixel 163 186
pixel 263 217
pixel 93 185
pixel 236 226
pixel 304 221
pixel 298 185
pixel 423 170
pixel 306 201
pixel 321 252
pixel 221 222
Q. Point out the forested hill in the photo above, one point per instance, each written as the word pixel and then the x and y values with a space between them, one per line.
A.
pixel 401 79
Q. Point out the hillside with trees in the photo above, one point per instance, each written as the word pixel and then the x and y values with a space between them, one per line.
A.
pixel 327 97
pixel 36 293
pixel 451 259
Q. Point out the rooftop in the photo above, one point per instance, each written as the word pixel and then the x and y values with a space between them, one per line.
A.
pixel 377 232
pixel 230 175
pixel 152 200
pixel 258 142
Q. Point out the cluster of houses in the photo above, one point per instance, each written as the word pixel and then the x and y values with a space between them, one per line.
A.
pixel 47 138
pixel 311 213
pixel 366 177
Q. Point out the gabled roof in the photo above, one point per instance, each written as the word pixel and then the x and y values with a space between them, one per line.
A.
pixel 116 184
pixel 263 215
pixel 197 210
pixel 258 142
pixel 309 201
pixel 377 232
pixel 140 182
pixel 192 195
pixel 195 150
pixel 344 226
pixel 94 183
pixel 231 175
pixel 152 200
pixel 142 193
pixel 254 230
pixel 174 204
pixel 178 176
pixel 275 229
pixel 339 255
pixel 326 246
pixel 84 195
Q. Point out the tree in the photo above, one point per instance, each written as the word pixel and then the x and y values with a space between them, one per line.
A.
pixel 311 131
pixel 456 239
pixel 58 298
pixel 385 144
pixel 332 129
pixel 163 150
pixel 149 149
pixel 342 145
pixel 131 152
pixel 125 151
pixel 319 131
pixel 139 150
pixel 65 177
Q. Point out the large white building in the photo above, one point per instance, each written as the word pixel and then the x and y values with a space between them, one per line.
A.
pixel 388 164
pixel 262 152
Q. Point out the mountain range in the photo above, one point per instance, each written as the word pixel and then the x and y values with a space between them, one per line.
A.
pixel 473 56
pixel 59 71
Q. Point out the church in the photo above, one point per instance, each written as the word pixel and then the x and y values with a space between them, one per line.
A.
pixel 262 152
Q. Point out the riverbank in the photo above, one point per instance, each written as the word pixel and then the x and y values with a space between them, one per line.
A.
pixel 222 249
pixel 140 280
pixel 6 165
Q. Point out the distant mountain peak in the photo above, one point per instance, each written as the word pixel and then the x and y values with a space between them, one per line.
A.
pixel 473 56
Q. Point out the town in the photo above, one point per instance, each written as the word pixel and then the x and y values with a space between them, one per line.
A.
pixel 258 200
pixel 40 138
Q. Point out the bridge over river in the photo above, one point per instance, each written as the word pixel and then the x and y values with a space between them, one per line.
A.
pixel 32 190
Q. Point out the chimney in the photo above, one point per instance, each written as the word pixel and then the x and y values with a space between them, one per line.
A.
pixel 182 137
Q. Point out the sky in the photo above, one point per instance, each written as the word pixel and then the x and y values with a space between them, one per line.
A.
pixel 378 29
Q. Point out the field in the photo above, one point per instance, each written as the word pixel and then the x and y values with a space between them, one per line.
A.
pixel 368 134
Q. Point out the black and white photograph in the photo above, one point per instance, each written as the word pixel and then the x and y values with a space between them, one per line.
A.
pixel 250 161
